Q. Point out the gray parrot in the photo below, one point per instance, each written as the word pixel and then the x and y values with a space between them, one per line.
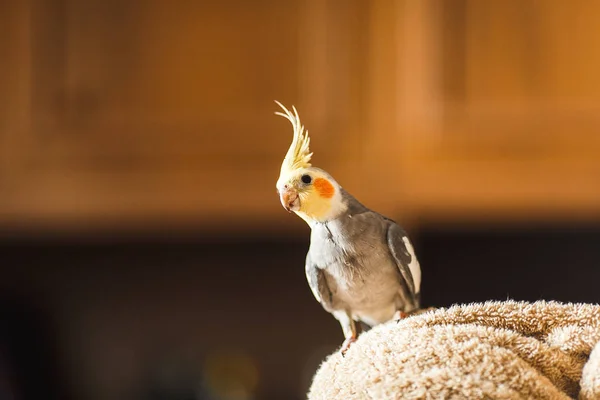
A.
pixel 360 266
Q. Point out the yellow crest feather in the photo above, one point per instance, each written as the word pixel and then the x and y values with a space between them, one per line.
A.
pixel 298 155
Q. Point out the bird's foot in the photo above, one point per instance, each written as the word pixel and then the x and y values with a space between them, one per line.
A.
pixel 346 345
pixel 399 315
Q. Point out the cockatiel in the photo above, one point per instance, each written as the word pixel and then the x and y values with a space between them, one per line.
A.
pixel 360 265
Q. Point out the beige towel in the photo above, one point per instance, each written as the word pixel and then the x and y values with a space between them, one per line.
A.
pixel 494 350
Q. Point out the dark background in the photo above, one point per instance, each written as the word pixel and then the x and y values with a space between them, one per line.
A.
pixel 144 253
pixel 143 303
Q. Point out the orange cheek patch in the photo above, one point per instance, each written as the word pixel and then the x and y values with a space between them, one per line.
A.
pixel 324 188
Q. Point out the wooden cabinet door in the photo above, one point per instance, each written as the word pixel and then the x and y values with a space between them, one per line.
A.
pixel 497 109
pixel 152 112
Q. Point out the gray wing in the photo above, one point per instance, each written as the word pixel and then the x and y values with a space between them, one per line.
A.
pixel 318 284
pixel 403 258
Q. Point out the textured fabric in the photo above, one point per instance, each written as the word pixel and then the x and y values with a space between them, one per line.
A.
pixel 494 350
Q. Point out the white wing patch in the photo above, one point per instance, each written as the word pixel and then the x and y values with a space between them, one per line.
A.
pixel 415 268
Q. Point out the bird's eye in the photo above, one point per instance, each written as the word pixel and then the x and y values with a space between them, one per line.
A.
pixel 306 179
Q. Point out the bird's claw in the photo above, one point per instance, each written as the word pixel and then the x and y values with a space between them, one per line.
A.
pixel 346 345
pixel 399 315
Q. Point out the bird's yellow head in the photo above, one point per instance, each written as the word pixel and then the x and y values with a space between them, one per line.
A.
pixel 308 191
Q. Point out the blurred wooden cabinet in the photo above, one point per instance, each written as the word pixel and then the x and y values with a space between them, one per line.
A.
pixel 499 109
pixel 129 111
pixel 122 112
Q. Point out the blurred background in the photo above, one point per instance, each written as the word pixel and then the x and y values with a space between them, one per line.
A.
pixel 144 253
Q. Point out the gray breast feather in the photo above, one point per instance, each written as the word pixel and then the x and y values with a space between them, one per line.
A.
pixel 360 250
pixel 318 284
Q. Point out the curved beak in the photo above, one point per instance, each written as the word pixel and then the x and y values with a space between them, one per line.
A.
pixel 289 199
